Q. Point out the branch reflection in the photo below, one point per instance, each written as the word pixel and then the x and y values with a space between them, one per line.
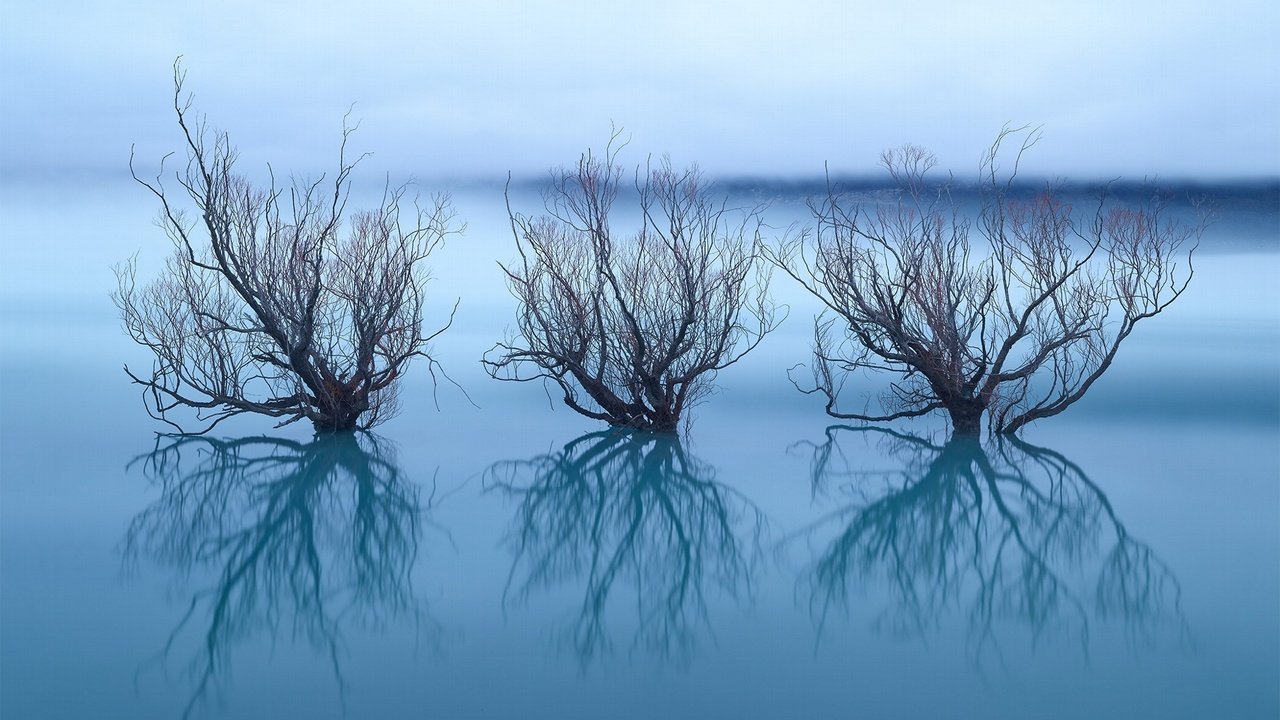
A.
pixel 1016 537
pixel 284 538
pixel 633 507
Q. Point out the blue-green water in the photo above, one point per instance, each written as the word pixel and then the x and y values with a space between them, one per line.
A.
pixel 513 559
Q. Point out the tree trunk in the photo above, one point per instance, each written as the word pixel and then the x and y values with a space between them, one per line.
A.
pixel 338 422
pixel 664 426
pixel 966 418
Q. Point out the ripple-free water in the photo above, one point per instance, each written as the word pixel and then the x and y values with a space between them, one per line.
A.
pixel 516 560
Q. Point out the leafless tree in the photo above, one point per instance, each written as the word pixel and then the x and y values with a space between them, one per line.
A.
pixel 272 301
pixel 298 540
pixel 637 508
pixel 633 329
pixel 1011 536
pixel 1020 331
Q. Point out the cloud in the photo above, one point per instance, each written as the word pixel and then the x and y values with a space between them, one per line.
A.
pixel 471 89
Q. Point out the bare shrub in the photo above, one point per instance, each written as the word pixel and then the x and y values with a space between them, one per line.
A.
pixel 275 303
pixel 1020 331
pixel 633 329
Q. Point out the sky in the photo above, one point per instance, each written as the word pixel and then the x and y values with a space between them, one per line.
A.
pixel 472 90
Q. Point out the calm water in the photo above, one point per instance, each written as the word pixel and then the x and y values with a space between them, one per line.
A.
pixel 1119 561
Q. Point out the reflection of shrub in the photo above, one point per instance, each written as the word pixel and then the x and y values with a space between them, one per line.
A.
pixel 635 507
pixel 301 540
pixel 1000 532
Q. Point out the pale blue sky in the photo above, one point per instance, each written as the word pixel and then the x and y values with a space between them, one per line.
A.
pixel 473 89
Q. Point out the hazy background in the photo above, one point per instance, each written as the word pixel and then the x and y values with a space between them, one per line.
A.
pixel 473 89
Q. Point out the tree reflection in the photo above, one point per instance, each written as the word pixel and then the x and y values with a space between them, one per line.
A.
pixel 1010 534
pixel 636 507
pixel 300 540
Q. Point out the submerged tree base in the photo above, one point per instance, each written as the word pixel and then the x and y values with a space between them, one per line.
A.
pixel 347 423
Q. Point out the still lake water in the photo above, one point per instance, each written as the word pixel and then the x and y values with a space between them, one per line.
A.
pixel 515 560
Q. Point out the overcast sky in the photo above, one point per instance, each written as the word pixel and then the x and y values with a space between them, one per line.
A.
pixel 474 88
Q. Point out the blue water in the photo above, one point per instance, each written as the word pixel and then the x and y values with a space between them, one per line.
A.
pixel 513 559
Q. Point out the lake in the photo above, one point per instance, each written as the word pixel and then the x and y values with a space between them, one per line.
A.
pixel 500 556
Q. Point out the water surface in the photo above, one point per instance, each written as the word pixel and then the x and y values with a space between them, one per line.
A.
pixel 512 559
